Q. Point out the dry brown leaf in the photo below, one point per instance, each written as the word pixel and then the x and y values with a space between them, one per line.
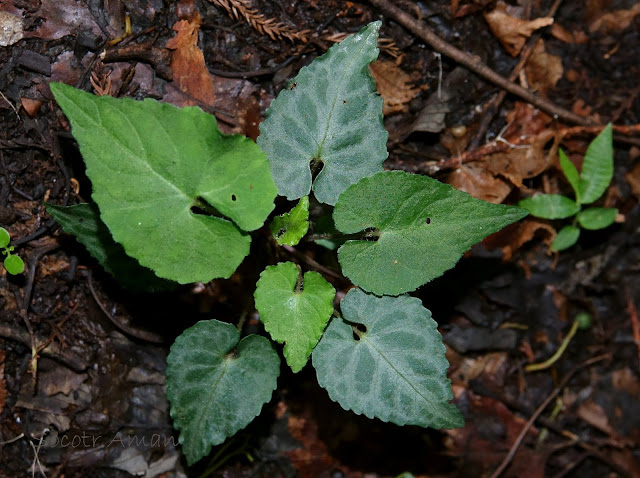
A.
pixel 513 237
pixel 190 73
pixel 513 32
pixel 62 18
pixel 474 179
pixel 394 85
pixel 31 106
pixel 543 69
pixel 615 21
pixel 633 178
pixel 522 163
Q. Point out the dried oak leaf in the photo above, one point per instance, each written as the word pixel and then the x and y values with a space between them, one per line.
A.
pixel 513 32
pixel 543 69
pixel 190 73
pixel 394 85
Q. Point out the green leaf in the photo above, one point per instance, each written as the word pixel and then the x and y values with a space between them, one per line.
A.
pixel 154 166
pixel 217 383
pixel 567 237
pixel 550 206
pixel 597 168
pixel 597 217
pixel 417 229
pixel 329 117
pixel 5 239
pixel 290 227
pixel 571 173
pixel 83 221
pixel 395 371
pixel 14 264
pixel 294 310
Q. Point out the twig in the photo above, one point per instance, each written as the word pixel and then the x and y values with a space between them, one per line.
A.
pixel 497 100
pixel 312 263
pixel 534 367
pixel 556 391
pixel 127 329
pixel 474 64
pixel 635 323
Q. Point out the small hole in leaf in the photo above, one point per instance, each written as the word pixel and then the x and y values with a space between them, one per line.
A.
pixel 293 85
pixel 202 207
pixel 280 233
pixel 358 331
pixel 428 221
pixel 344 102
pixel 233 197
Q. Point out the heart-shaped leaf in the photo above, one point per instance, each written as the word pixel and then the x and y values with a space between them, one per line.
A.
pixel 329 119
pixel 83 221
pixel 294 309
pixel 217 385
pixel 396 370
pixel 415 228
pixel 290 227
pixel 166 180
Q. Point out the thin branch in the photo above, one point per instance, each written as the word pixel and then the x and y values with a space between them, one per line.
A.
pixel 556 391
pixel 425 33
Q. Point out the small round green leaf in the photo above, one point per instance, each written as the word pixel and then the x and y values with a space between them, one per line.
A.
pixel 178 194
pixel 418 228
pixel 14 264
pixel 567 237
pixel 4 238
pixel 329 120
pixel 597 217
pixel 294 309
pixel 550 206
pixel 597 168
pixel 217 383
pixel 290 227
pixel 395 371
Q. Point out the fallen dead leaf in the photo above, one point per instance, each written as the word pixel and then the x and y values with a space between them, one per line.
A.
pixel 513 32
pixel 543 69
pixel 190 74
pixel 633 178
pixel 63 17
pixel 513 237
pixel 394 85
pixel 615 21
pixel 31 106
pixel 476 180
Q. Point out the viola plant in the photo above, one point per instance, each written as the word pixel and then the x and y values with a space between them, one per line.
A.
pixel 588 186
pixel 13 263
pixel 176 201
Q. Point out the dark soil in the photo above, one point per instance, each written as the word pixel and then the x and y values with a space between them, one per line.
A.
pixel 96 405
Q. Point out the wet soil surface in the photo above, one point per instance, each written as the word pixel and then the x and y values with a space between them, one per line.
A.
pixel 96 404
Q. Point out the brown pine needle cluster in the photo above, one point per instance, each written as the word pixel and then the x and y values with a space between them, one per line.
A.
pixel 267 26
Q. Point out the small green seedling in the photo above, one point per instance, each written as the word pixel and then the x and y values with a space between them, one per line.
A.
pixel 184 201
pixel 588 186
pixel 12 263
pixel 582 321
